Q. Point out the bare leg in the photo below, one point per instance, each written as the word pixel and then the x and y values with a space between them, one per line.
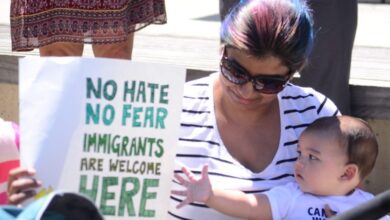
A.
pixel 62 49
pixel 122 50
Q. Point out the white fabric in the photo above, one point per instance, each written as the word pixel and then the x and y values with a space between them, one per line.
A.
pixel 288 202
pixel 200 143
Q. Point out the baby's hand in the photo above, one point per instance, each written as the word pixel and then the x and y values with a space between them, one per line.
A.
pixel 197 189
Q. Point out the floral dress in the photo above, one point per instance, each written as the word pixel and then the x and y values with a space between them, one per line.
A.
pixel 36 23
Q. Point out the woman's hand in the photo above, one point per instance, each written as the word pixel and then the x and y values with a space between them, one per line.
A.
pixel 197 189
pixel 21 185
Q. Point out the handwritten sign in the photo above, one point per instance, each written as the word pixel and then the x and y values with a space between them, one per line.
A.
pixel 105 128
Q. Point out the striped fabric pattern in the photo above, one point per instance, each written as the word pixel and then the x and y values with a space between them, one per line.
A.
pixel 200 144
pixel 9 156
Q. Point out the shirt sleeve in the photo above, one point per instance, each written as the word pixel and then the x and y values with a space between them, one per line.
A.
pixel 280 198
pixel 325 107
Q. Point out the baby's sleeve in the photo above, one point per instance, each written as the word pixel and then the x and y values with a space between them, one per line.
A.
pixel 280 198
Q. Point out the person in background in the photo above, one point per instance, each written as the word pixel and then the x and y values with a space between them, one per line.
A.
pixel 329 65
pixel 61 28
pixel 335 155
pixel 244 121
pixel 9 156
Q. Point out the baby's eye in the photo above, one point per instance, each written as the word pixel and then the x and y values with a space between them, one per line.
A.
pixel 312 157
pixel 299 153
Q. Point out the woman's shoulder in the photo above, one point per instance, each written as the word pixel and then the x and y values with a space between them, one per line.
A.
pixel 199 86
pixel 305 99
pixel 197 94
pixel 295 92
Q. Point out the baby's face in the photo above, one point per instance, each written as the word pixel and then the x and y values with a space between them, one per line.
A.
pixel 320 165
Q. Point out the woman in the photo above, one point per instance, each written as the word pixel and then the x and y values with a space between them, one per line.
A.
pixel 60 28
pixel 244 122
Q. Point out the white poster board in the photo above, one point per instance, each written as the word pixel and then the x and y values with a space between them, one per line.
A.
pixel 105 128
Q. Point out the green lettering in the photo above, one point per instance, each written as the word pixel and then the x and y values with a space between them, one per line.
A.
pixel 126 113
pixel 112 85
pixel 160 146
pixel 136 113
pixel 164 94
pixel 162 113
pixel 141 92
pixel 104 208
pixel 125 142
pixel 146 196
pixel 129 91
pixel 108 114
pixel 92 141
pixel 141 146
pixel 90 193
pixel 92 114
pixel 151 142
pixel 126 199
pixel 148 119
pixel 153 87
pixel 91 88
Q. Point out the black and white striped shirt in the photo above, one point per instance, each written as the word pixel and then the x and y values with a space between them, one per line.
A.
pixel 200 143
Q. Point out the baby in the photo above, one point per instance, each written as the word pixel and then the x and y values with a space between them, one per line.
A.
pixel 334 155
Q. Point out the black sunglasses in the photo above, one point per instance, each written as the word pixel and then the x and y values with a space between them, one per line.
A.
pixel 238 75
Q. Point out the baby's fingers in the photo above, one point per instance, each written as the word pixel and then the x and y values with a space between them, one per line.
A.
pixel 188 173
pixel 183 203
pixel 181 180
pixel 179 192
pixel 205 171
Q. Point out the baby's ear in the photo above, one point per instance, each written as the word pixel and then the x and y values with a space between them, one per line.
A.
pixel 351 171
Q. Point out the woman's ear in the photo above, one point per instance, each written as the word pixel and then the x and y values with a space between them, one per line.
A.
pixel 351 171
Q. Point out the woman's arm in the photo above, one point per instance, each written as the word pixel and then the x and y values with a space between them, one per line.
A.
pixel 230 202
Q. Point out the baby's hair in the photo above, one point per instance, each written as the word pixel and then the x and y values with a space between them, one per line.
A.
pixel 353 134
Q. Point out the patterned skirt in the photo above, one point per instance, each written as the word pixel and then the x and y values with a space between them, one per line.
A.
pixel 36 23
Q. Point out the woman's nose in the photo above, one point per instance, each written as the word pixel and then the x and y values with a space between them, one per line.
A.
pixel 247 90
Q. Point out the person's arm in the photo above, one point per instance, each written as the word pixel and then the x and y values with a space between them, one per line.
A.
pixel 230 202
pixel 21 185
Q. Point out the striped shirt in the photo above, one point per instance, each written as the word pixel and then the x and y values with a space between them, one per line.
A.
pixel 200 143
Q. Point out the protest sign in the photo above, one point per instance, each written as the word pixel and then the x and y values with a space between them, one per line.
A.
pixel 105 128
